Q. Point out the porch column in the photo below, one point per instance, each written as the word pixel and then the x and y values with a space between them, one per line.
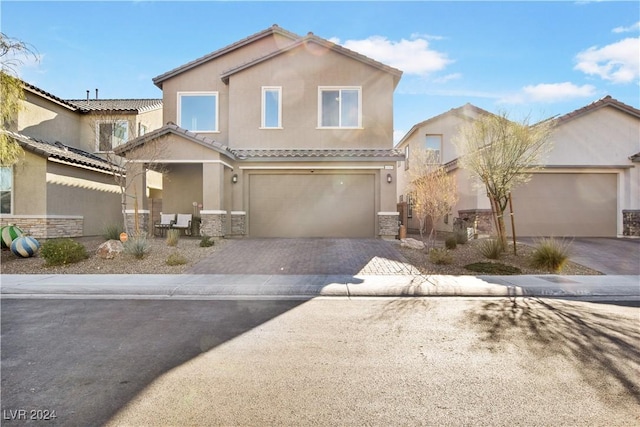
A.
pixel 213 215
pixel 136 199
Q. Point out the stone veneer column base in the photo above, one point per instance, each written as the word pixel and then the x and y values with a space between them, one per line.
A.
pixel 631 222
pixel 47 226
pixel 388 225
pixel 144 221
pixel 238 223
pixel 484 217
pixel 213 223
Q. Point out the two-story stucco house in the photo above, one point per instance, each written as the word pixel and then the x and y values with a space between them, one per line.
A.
pixel 277 135
pixel 589 186
pixel 64 185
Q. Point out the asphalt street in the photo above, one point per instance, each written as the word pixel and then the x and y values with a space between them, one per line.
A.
pixel 325 361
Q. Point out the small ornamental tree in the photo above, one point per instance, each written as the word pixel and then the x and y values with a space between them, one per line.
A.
pixel 503 154
pixel 433 190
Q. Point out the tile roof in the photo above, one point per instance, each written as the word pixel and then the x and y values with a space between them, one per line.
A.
pixel 136 105
pixel 31 88
pixel 60 151
pixel 312 154
pixel 603 102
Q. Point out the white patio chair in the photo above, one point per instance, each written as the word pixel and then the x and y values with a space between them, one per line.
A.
pixel 165 223
pixel 183 223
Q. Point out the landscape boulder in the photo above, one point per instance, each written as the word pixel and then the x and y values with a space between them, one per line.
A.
pixel 412 243
pixel 110 249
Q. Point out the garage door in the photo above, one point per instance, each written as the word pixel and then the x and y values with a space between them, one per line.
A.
pixel 566 204
pixel 312 205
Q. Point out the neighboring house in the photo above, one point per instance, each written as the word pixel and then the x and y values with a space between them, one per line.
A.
pixel 277 135
pixel 590 184
pixel 64 185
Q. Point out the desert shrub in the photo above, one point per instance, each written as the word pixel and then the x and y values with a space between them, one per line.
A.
pixel 111 232
pixel 461 236
pixel 550 254
pixel 490 248
pixel 173 236
pixel 206 241
pixel 137 246
pixel 451 242
pixel 493 268
pixel 176 259
pixel 440 256
pixel 63 251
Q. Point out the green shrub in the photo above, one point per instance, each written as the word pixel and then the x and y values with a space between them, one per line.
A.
pixel 440 256
pixel 550 254
pixel 112 232
pixel 451 242
pixel 63 251
pixel 137 246
pixel 461 236
pixel 493 268
pixel 206 241
pixel 491 248
pixel 173 236
pixel 176 259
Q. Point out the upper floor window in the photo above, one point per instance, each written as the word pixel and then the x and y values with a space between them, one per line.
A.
pixel 110 134
pixel 433 144
pixel 406 157
pixel 198 111
pixel 340 107
pixel 142 129
pixel 271 108
pixel 6 189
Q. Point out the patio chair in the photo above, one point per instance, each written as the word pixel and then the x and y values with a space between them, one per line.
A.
pixel 165 223
pixel 183 223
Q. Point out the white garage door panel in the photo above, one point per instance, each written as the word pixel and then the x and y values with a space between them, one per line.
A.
pixel 312 205
pixel 565 204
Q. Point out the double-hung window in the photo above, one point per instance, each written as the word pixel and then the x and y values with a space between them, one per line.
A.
pixel 433 144
pixel 6 189
pixel 110 134
pixel 271 107
pixel 198 111
pixel 339 107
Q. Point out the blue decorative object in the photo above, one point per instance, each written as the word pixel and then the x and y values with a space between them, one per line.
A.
pixel 25 246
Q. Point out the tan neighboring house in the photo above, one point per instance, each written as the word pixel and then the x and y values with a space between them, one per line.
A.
pixel 590 184
pixel 277 135
pixel 64 185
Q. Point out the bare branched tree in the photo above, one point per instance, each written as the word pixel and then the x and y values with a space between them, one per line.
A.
pixel 433 190
pixel 12 53
pixel 503 154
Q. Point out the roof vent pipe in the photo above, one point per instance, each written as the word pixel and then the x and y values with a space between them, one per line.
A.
pixel 96 93
pixel 87 96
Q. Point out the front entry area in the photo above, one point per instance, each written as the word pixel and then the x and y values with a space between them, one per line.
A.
pixel 318 204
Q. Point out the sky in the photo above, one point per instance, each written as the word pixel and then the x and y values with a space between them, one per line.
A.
pixel 528 59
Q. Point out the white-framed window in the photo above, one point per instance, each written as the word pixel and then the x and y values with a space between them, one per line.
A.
pixel 198 111
pixel 433 143
pixel 142 129
pixel 271 107
pixel 110 134
pixel 406 157
pixel 339 107
pixel 6 189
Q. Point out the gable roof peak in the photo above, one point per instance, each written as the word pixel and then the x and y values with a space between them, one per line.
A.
pixel 605 101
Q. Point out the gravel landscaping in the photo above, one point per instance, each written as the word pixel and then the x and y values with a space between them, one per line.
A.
pixel 155 262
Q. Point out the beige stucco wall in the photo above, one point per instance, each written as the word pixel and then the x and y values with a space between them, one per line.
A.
pixel 77 191
pixel 181 186
pixel 29 196
pixel 47 120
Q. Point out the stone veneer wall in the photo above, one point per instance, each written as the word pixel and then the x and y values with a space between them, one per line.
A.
pixel 388 224
pixel 213 223
pixel 143 221
pixel 46 226
pixel 238 223
pixel 484 219
pixel 631 222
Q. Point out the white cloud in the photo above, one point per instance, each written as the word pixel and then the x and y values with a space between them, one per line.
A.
pixel 549 93
pixel 448 78
pixel 617 62
pixel 411 56
pixel 629 29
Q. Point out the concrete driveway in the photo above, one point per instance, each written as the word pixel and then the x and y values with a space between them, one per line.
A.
pixel 305 256
pixel 608 255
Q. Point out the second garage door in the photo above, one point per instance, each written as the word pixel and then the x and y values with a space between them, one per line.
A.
pixel 312 205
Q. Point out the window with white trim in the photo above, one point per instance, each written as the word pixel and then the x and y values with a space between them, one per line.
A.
pixel 271 107
pixel 110 134
pixel 198 111
pixel 142 129
pixel 6 189
pixel 433 143
pixel 339 107
pixel 406 157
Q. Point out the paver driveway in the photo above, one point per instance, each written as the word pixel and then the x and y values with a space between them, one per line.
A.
pixel 305 256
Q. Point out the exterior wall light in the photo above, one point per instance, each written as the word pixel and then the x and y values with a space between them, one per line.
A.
pixel 389 178
pixel 234 178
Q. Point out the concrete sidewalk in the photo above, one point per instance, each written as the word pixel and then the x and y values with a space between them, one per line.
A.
pixel 230 286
